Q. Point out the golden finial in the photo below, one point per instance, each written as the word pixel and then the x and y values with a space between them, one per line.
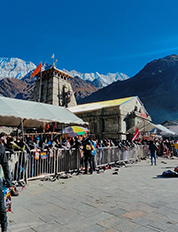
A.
pixel 53 64
pixel 54 60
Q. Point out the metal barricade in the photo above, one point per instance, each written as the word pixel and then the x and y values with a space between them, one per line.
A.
pixel 145 151
pixel 107 155
pixel 17 162
pixel 50 162
pixel 68 159
pixel 40 163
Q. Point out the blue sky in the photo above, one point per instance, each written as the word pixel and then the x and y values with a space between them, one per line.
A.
pixel 90 35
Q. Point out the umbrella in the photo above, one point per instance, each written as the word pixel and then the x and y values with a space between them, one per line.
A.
pixel 75 130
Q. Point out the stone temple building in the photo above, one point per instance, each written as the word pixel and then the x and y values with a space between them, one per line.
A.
pixel 53 87
pixel 108 119
pixel 113 118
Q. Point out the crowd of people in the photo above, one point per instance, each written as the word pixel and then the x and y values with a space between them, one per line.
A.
pixel 50 143
pixel 165 147
pixel 87 146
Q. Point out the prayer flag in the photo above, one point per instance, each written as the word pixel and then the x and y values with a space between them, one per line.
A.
pixel 37 70
pixel 136 134
pixel 37 154
pixel 43 155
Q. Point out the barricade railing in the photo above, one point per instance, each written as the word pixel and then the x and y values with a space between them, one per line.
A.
pixel 106 155
pixel 50 162
pixel 41 163
pixel 17 162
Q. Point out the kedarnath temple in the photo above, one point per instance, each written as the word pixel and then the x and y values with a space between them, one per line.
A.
pixel 53 87
pixel 113 118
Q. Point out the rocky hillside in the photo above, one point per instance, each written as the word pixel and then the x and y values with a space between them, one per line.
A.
pixel 15 88
pixel 22 89
pixel 156 85
pixel 82 88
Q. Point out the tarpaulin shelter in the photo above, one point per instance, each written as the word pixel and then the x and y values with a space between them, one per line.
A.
pixel 162 130
pixel 14 111
pixel 144 126
pixel 148 126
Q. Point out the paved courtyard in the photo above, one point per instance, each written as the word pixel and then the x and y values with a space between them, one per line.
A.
pixel 134 200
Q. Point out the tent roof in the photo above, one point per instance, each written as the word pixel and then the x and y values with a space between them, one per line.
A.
pixel 33 113
pixel 148 126
pixel 142 126
pixel 164 130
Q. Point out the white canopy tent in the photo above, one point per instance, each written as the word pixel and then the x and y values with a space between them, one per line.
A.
pixel 148 126
pixel 163 130
pixel 33 114
pixel 144 126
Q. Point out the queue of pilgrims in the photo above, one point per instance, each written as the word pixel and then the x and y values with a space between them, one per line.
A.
pixel 43 142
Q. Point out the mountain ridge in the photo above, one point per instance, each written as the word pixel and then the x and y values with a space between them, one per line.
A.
pixel 156 86
pixel 99 80
pixel 20 69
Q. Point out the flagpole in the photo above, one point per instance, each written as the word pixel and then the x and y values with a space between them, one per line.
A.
pixel 39 91
pixel 39 99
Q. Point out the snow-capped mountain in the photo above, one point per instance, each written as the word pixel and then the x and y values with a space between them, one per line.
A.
pixel 99 80
pixel 15 68
pixel 20 69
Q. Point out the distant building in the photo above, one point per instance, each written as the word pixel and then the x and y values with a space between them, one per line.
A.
pixel 113 118
pixel 53 87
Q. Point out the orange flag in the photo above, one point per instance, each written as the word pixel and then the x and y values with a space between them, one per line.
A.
pixel 37 70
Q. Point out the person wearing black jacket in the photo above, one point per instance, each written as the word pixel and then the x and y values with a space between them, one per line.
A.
pixel 153 148
pixel 5 167
pixel 87 148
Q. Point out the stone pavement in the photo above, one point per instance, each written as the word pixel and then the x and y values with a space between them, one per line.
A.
pixel 135 200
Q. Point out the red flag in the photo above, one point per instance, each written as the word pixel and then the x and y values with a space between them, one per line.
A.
pixel 136 134
pixel 47 127
pixel 37 70
pixel 55 125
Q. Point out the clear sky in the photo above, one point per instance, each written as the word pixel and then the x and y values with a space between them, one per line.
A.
pixel 89 35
